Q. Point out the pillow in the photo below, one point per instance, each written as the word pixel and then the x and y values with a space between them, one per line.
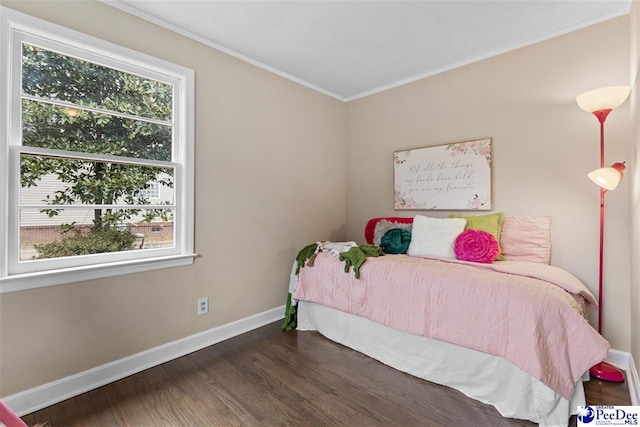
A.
pixel 526 238
pixel 491 223
pixel 371 224
pixel 477 246
pixel 384 225
pixel 396 241
pixel 435 236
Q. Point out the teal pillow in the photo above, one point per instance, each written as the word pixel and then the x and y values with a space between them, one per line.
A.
pixel 396 241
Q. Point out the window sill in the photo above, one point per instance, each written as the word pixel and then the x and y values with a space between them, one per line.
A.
pixel 21 282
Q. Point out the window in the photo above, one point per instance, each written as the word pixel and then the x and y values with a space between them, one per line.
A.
pixel 98 149
pixel 152 191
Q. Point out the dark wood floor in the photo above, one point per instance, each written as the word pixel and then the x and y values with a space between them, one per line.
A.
pixel 268 377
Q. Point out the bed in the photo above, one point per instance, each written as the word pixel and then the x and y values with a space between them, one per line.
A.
pixel 511 333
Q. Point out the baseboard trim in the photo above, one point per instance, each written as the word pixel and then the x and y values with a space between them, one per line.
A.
pixel 34 399
pixel 624 360
pixel 31 400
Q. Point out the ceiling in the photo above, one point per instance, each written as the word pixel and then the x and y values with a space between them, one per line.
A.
pixel 350 49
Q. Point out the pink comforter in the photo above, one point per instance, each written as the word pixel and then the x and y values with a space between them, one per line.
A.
pixel 530 314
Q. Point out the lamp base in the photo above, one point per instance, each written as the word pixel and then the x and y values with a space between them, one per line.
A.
pixel 606 372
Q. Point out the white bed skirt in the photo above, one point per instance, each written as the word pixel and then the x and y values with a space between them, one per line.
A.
pixel 489 379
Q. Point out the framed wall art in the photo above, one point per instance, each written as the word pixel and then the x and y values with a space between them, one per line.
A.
pixel 445 177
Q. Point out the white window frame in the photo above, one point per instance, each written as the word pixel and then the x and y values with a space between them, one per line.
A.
pixel 16 275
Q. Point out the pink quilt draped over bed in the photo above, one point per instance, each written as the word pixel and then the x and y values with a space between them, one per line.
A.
pixel 530 314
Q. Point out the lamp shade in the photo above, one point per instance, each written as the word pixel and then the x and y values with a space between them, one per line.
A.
pixel 606 98
pixel 607 178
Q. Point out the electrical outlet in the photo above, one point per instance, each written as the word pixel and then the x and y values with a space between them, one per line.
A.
pixel 203 306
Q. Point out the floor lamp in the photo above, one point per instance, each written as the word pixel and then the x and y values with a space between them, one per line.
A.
pixel 600 102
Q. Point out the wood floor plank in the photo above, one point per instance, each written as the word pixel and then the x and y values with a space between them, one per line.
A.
pixel 267 377
pixel 205 393
pixel 597 390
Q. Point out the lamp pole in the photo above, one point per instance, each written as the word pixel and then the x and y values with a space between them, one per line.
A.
pixel 601 102
pixel 601 115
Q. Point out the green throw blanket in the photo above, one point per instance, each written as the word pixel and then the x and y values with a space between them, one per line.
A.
pixel 354 257
pixel 290 315
pixel 306 253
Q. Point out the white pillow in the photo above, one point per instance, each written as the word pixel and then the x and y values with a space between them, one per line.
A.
pixel 435 237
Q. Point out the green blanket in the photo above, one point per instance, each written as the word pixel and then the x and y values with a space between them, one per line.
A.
pixel 290 315
pixel 354 257
pixel 305 254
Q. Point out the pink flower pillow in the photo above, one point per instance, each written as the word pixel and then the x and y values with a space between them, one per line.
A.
pixel 476 246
